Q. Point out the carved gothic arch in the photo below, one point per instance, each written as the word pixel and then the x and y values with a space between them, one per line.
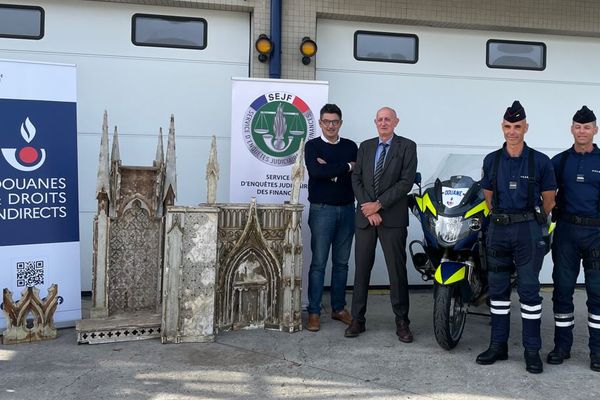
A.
pixel 129 203
pixel 251 247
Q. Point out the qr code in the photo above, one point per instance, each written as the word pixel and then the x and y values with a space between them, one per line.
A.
pixel 30 273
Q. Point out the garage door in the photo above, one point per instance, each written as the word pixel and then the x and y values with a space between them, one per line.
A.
pixel 141 86
pixel 449 101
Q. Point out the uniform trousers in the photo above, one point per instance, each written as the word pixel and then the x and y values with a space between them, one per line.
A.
pixel 572 244
pixel 516 247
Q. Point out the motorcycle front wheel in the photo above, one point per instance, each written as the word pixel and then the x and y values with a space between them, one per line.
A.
pixel 449 315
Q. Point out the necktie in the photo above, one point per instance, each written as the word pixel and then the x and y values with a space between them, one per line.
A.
pixel 379 168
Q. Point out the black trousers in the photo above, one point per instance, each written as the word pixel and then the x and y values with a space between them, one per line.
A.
pixel 393 243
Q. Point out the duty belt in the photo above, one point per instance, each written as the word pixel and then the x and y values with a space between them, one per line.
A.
pixel 507 219
pixel 575 219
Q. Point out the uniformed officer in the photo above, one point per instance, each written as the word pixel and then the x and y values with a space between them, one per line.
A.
pixel 519 187
pixel 577 237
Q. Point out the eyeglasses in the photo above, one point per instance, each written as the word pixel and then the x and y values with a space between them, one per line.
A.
pixel 327 122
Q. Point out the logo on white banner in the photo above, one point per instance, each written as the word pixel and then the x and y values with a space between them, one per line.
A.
pixel 27 158
pixel 274 125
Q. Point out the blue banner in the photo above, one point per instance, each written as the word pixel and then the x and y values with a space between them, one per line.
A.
pixel 38 172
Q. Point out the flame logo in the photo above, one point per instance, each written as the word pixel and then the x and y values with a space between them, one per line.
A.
pixel 28 130
pixel 27 158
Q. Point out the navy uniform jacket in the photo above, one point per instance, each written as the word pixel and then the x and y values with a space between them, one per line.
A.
pixel 516 170
pixel 579 183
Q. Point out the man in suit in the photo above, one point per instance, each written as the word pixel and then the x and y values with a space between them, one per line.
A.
pixel 383 175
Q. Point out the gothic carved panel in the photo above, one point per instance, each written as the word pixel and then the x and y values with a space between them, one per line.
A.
pixel 135 256
pixel 250 283
pixel 198 275
pixel 142 182
pixel 189 274
pixel 251 276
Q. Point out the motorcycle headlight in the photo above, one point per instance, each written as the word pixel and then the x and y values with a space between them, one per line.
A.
pixel 448 228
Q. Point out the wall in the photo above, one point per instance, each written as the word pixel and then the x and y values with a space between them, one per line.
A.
pixel 575 17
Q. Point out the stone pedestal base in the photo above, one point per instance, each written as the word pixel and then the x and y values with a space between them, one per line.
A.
pixel 119 328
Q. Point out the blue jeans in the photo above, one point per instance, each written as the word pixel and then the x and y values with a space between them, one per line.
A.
pixel 330 227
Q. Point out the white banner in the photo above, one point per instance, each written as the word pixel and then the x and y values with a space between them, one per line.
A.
pixel 269 118
pixel 39 211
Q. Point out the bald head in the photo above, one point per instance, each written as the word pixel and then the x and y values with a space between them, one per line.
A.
pixel 388 110
pixel 386 121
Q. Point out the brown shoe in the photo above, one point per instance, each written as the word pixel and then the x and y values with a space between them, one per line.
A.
pixel 355 329
pixel 314 322
pixel 403 332
pixel 342 315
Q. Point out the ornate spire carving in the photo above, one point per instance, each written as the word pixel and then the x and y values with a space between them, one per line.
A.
pixel 212 173
pixel 159 159
pixel 170 187
pixel 102 185
pixel 115 156
pixel 297 176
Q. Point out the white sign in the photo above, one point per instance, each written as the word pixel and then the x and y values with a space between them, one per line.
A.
pixel 39 206
pixel 269 119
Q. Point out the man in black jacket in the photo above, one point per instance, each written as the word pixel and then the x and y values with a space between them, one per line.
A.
pixel 330 160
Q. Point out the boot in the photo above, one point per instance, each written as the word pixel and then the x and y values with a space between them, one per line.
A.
pixel 314 322
pixel 496 351
pixel 533 362
pixel 557 356
pixel 595 362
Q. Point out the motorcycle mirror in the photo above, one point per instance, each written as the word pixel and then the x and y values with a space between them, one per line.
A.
pixel 420 259
pixel 418 178
pixel 418 181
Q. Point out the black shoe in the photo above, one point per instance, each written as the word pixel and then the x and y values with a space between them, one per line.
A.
pixel 557 356
pixel 355 329
pixel 533 362
pixel 496 351
pixel 403 332
pixel 595 362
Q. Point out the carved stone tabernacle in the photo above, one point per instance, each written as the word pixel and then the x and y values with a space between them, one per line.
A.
pixel 31 318
pixel 208 268
pixel 128 240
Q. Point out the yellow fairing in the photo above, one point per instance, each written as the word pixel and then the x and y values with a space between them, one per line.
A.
pixel 478 208
pixel 457 276
pixel 425 203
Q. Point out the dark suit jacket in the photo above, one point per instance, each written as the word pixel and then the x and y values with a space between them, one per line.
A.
pixel 396 182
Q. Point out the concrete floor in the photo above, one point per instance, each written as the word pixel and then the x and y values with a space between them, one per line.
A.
pixel 261 364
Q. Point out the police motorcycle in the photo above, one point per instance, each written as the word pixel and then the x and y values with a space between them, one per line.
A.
pixel 454 217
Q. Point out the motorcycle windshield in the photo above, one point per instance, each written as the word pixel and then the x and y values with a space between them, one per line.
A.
pixel 451 186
